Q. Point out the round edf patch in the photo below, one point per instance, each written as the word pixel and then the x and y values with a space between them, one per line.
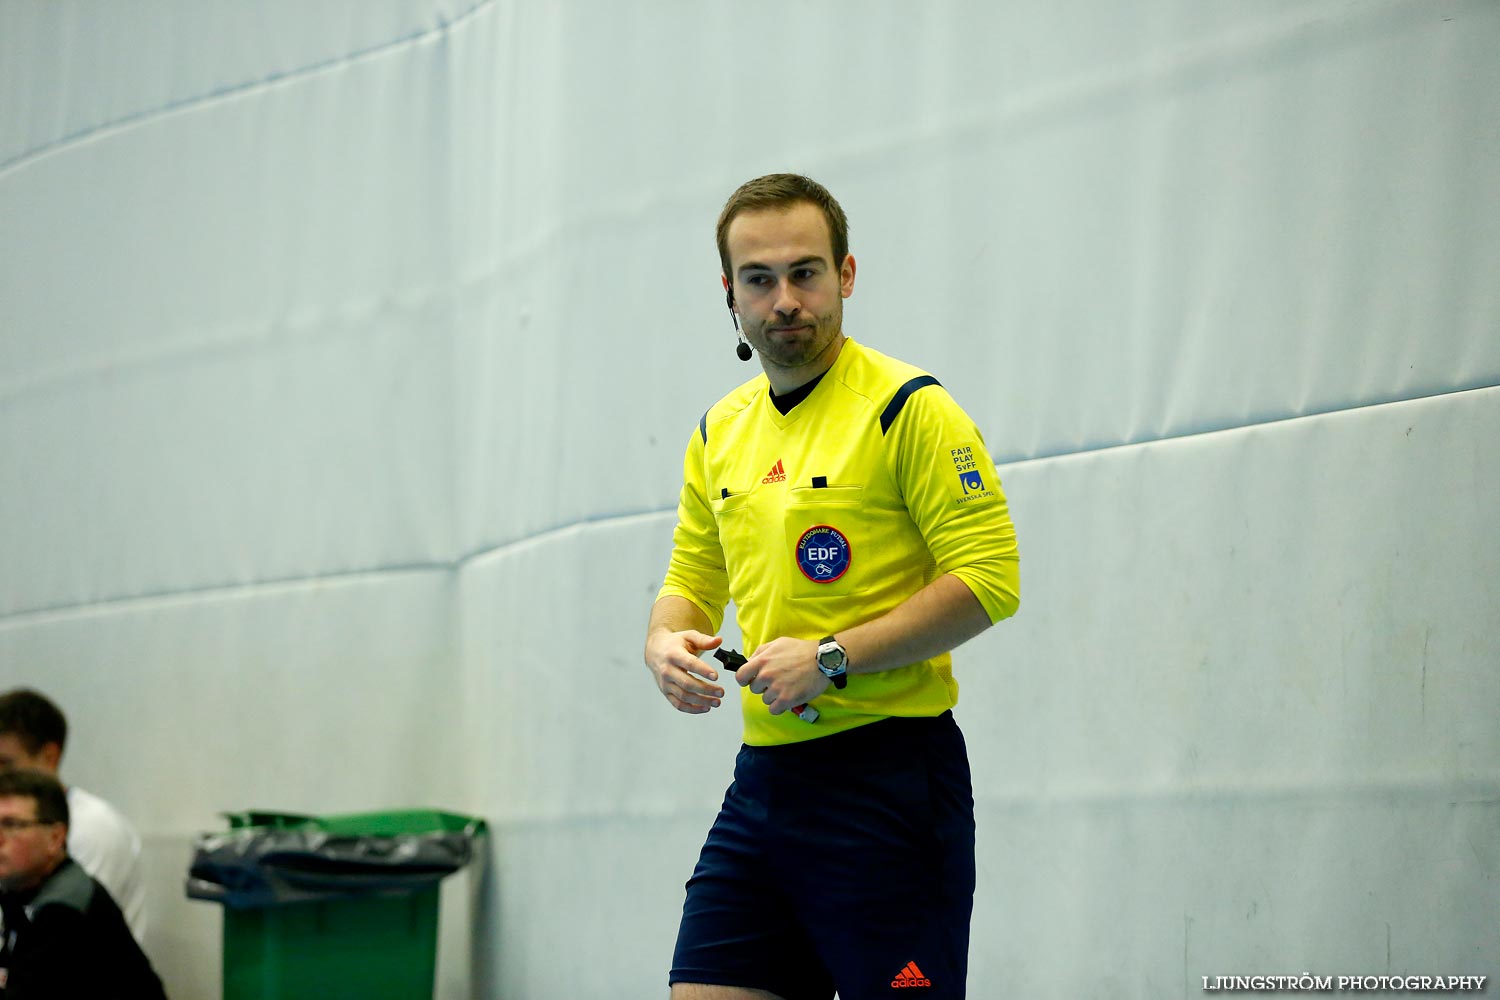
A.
pixel 823 554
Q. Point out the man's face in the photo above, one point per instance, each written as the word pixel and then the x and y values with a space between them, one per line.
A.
pixel 29 851
pixel 14 755
pixel 787 289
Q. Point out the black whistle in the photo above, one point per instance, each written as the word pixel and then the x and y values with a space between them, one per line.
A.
pixel 731 658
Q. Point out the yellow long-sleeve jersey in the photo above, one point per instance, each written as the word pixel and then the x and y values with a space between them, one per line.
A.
pixel 833 514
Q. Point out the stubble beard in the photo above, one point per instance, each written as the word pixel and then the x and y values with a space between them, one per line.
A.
pixel 807 348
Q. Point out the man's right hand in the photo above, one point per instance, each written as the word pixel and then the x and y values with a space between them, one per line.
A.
pixel 681 676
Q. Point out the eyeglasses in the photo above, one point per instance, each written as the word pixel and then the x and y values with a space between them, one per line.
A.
pixel 10 824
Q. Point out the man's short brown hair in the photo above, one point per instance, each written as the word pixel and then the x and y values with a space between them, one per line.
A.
pixel 784 191
pixel 33 719
pixel 48 793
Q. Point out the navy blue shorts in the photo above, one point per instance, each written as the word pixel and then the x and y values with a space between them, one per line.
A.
pixel 846 862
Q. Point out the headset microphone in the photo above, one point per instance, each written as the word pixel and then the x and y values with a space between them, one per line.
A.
pixel 742 349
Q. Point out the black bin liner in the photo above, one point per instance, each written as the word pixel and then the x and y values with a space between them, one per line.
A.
pixel 265 866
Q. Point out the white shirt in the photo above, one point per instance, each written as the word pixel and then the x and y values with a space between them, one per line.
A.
pixel 106 845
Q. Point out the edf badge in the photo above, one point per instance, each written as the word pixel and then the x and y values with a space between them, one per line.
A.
pixel 823 554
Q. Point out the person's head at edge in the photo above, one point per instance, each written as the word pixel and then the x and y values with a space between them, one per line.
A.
pixel 33 731
pixel 784 248
pixel 33 828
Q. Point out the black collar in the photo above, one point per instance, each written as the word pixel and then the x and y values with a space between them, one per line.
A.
pixel 785 403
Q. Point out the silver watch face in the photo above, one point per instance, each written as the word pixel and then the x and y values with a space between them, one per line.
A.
pixel 832 659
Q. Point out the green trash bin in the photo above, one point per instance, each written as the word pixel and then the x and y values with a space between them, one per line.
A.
pixel 331 907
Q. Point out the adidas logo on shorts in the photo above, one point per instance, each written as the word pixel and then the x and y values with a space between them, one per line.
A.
pixel 909 977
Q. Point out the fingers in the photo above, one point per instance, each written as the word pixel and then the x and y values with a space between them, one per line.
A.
pixel 781 691
pixel 702 668
pixel 681 675
pixel 687 693
pixel 692 687
pixel 690 704
pixel 686 657
pixel 702 642
pixel 776 701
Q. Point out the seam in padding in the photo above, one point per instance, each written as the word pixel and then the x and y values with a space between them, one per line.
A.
pixel 234 90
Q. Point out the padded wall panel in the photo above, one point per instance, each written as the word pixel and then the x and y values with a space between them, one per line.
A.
pixel 318 696
pixel 1228 213
pixel 569 725
pixel 259 213
pixel 611 892
pixel 592 336
pixel 73 69
pixel 1243 723
pixel 599 793
pixel 185 938
pixel 306 456
pixel 227 351
pixel 1296 606
pixel 1139 899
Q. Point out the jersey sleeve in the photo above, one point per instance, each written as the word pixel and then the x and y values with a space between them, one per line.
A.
pixel 953 493
pixel 697 572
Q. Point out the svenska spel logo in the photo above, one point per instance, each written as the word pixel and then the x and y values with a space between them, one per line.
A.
pixel 823 553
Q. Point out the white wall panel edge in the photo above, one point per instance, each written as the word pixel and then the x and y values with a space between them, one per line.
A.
pixel 101 129
pixel 495 550
pixel 1387 788
pixel 228 591
pixel 1269 421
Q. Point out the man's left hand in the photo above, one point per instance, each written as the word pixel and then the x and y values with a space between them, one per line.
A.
pixel 784 672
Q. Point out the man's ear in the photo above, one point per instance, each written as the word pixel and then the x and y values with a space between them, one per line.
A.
pixel 846 276
pixel 57 839
pixel 51 754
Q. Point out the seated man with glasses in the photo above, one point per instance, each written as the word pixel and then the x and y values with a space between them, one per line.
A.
pixel 33 732
pixel 63 936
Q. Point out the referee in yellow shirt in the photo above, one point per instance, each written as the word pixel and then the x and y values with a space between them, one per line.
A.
pixel 849 508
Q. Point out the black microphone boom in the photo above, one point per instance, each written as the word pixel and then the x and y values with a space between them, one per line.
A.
pixel 742 349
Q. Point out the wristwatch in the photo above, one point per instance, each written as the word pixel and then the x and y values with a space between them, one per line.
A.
pixel 833 661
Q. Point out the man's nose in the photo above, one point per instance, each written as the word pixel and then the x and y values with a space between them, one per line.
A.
pixel 787 305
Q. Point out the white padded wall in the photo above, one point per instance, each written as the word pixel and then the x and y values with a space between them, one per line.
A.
pixel 347 354
pixel 227 329
pixel 1248 724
